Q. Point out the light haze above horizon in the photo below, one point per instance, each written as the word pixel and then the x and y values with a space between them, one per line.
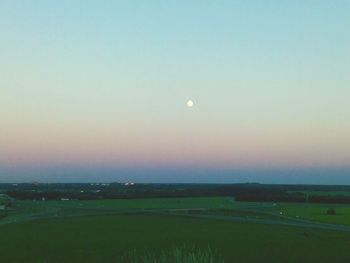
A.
pixel 102 91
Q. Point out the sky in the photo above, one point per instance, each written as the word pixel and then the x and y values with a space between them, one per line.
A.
pixel 97 91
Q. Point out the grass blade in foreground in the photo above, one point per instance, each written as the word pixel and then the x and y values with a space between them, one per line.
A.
pixel 177 255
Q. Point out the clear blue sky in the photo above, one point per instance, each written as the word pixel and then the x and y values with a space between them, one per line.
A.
pixel 97 90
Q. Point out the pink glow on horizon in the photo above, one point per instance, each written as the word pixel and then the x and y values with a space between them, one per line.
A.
pixel 210 149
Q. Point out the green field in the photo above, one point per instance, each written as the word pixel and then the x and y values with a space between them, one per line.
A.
pixel 155 203
pixel 106 230
pixel 317 212
pixel 102 239
pixel 28 210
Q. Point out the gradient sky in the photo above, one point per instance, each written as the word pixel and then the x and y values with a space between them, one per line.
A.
pixel 97 91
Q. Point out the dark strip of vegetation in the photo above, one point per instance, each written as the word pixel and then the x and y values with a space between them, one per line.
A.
pixel 117 191
pixel 330 199
pixel 241 192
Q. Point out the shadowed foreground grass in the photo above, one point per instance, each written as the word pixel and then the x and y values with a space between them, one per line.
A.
pixel 177 255
pixel 104 239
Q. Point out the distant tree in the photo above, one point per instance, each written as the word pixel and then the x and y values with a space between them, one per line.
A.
pixel 331 211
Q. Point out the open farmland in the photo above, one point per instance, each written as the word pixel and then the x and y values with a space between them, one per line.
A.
pixel 106 230
pixel 104 238
pixel 316 212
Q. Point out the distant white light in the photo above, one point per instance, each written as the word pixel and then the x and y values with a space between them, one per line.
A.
pixel 190 103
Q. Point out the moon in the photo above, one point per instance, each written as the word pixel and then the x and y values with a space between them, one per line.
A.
pixel 190 103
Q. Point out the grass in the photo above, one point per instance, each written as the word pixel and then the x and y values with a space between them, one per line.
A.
pixel 223 206
pixel 107 238
pixel 154 203
pixel 29 210
pixel 176 255
pixel 318 212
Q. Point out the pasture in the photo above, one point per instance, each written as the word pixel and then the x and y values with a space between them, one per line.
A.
pixel 317 212
pixel 109 230
pixel 104 238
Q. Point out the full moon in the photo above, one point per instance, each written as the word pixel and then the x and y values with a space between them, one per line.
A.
pixel 190 103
